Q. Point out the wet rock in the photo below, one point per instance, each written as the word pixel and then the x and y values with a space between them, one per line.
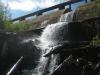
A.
pixel 12 47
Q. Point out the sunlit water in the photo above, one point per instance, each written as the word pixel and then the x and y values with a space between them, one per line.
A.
pixel 52 36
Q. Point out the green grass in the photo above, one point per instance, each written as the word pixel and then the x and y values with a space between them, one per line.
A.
pixel 34 23
pixel 88 10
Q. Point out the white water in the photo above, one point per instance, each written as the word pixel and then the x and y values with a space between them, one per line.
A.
pixel 66 17
pixel 52 35
pixel 44 23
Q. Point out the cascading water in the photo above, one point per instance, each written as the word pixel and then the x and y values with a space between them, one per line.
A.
pixel 66 17
pixel 52 36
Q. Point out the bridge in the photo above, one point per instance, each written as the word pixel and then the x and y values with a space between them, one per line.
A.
pixel 40 12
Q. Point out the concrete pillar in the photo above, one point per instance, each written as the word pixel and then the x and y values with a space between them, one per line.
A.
pixel 70 3
pixel 86 1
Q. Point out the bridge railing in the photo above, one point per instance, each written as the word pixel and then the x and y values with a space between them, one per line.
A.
pixel 40 12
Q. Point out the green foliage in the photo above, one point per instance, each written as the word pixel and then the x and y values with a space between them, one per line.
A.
pixel 33 23
pixel 98 9
pixel 20 26
pixel 4 16
pixel 88 10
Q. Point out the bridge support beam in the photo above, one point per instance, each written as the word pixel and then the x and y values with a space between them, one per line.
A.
pixel 86 1
pixel 38 14
pixel 61 7
pixel 22 19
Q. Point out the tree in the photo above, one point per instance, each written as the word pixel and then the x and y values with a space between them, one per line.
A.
pixel 4 15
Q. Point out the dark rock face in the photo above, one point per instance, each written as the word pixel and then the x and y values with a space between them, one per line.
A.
pixel 79 62
pixel 84 60
pixel 13 46
pixel 89 11
pixel 78 32
pixel 91 26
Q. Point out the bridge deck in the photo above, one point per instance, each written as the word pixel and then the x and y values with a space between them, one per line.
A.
pixel 40 12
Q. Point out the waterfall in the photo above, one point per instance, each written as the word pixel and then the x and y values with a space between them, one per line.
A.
pixel 52 36
pixel 44 23
pixel 67 17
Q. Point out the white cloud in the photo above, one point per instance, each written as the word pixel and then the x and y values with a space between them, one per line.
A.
pixel 47 3
pixel 25 5
pixel 28 5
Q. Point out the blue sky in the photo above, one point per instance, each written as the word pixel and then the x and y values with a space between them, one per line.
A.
pixel 22 7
